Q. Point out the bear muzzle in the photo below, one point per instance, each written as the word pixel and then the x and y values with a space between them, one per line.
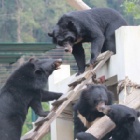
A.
pixel 100 107
pixel 106 109
pixel 58 63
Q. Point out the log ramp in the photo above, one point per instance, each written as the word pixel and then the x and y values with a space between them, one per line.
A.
pixel 42 125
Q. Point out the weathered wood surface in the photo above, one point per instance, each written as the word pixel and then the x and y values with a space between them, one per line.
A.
pixel 44 123
pixel 78 4
pixel 102 58
pixel 105 125
pixel 101 127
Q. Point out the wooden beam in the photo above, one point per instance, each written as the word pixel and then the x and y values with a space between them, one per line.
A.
pixel 101 127
pixel 78 4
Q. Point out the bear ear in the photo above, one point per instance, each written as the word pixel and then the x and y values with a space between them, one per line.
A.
pixel 71 26
pixel 38 72
pixel 138 114
pixel 51 34
pixel 32 59
pixel 129 118
pixel 89 85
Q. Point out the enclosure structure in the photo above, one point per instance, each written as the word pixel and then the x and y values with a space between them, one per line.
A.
pixel 124 65
pixel 115 69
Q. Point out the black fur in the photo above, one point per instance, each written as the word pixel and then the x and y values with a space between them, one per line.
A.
pixel 24 89
pixel 96 26
pixel 87 104
pixel 126 120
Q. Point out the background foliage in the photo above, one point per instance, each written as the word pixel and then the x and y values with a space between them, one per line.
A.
pixel 30 20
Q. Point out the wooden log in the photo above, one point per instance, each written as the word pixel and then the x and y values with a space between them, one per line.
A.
pixel 78 4
pixel 28 136
pixel 31 134
pixel 63 98
pixel 105 125
pixel 101 127
pixel 58 102
pixel 40 121
pixel 78 81
pixel 101 59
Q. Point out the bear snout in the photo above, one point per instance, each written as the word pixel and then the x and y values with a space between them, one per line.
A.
pixel 58 63
pixel 106 110
pixel 68 48
pixel 100 106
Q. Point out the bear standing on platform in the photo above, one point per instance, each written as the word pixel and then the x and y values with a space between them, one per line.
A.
pixel 96 26
pixel 24 89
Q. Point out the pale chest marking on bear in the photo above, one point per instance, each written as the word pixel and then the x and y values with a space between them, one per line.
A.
pixel 78 40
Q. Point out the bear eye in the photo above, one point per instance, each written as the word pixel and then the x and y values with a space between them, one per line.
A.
pixel 95 102
pixel 70 39
pixel 53 66
pixel 60 43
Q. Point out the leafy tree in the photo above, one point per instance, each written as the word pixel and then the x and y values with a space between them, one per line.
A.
pixel 29 21
pixel 8 22
pixel 132 7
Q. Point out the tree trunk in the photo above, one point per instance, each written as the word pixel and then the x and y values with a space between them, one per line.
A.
pixel 18 22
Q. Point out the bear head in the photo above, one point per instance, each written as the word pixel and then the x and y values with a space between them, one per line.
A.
pixel 65 35
pixel 41 69
pixel 92 100
pixel 121 114
pixel 45 66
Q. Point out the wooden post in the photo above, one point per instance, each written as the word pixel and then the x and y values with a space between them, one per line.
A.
pixel 78 4
pixel 126 60
pixel 61 124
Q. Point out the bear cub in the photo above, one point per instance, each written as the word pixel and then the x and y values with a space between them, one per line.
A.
pixel 126 120
pixel 89 107
pixel 24 89
pixel 96 26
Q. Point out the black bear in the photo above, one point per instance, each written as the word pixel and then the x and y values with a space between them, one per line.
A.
pixel 87 108
pixel 126 120
pixel 24 89
pixel 96 25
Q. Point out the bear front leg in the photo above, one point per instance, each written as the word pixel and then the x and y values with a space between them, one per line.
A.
pixel 49 96
pixel 96 47
pixel 37 107
pixel 78 125
pixel 79 55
